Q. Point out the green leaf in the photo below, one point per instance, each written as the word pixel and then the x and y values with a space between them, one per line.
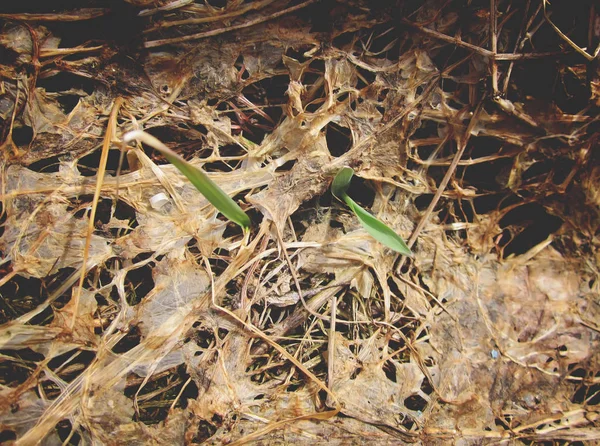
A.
pixel 207 187
pixel 211 191
pixel 377 229
pixel 341 182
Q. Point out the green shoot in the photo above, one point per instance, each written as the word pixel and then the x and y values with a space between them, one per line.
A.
pixel 377 229
pixel 207 187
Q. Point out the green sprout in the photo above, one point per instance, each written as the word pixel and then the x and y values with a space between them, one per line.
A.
pixel 377 229
pixel 207 187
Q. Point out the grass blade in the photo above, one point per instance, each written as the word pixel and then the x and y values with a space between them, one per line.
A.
pixel 377 229
pixel 207 187
pixel 341 182
pixel 213 193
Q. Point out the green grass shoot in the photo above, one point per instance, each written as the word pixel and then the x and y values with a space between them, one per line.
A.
pixel 377 229
pixel 207 187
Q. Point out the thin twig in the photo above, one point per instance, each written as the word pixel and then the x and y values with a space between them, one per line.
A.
pixel 255 330
pixel 75 16
pixel 214 18
pixel 331 344
pixel 477 49
pixel 295 276
pixel 494 45
pixel 454 40
pixel 519 43
pixel 244 302
pixel 216 32
pixel 69 51
pixel 462 145
pixel 99 179
pixel 564 36
pixel 168 7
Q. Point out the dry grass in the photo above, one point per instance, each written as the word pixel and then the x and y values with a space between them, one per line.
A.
pixel 133 313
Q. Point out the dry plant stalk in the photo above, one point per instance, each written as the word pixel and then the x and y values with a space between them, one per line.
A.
pixel 110 130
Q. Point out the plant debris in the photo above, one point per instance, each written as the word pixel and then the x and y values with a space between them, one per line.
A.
pixel 132 309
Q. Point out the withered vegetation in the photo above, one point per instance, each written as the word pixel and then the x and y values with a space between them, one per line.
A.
pixel 132 312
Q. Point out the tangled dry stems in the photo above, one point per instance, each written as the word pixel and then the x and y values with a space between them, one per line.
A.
pixel 184 329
